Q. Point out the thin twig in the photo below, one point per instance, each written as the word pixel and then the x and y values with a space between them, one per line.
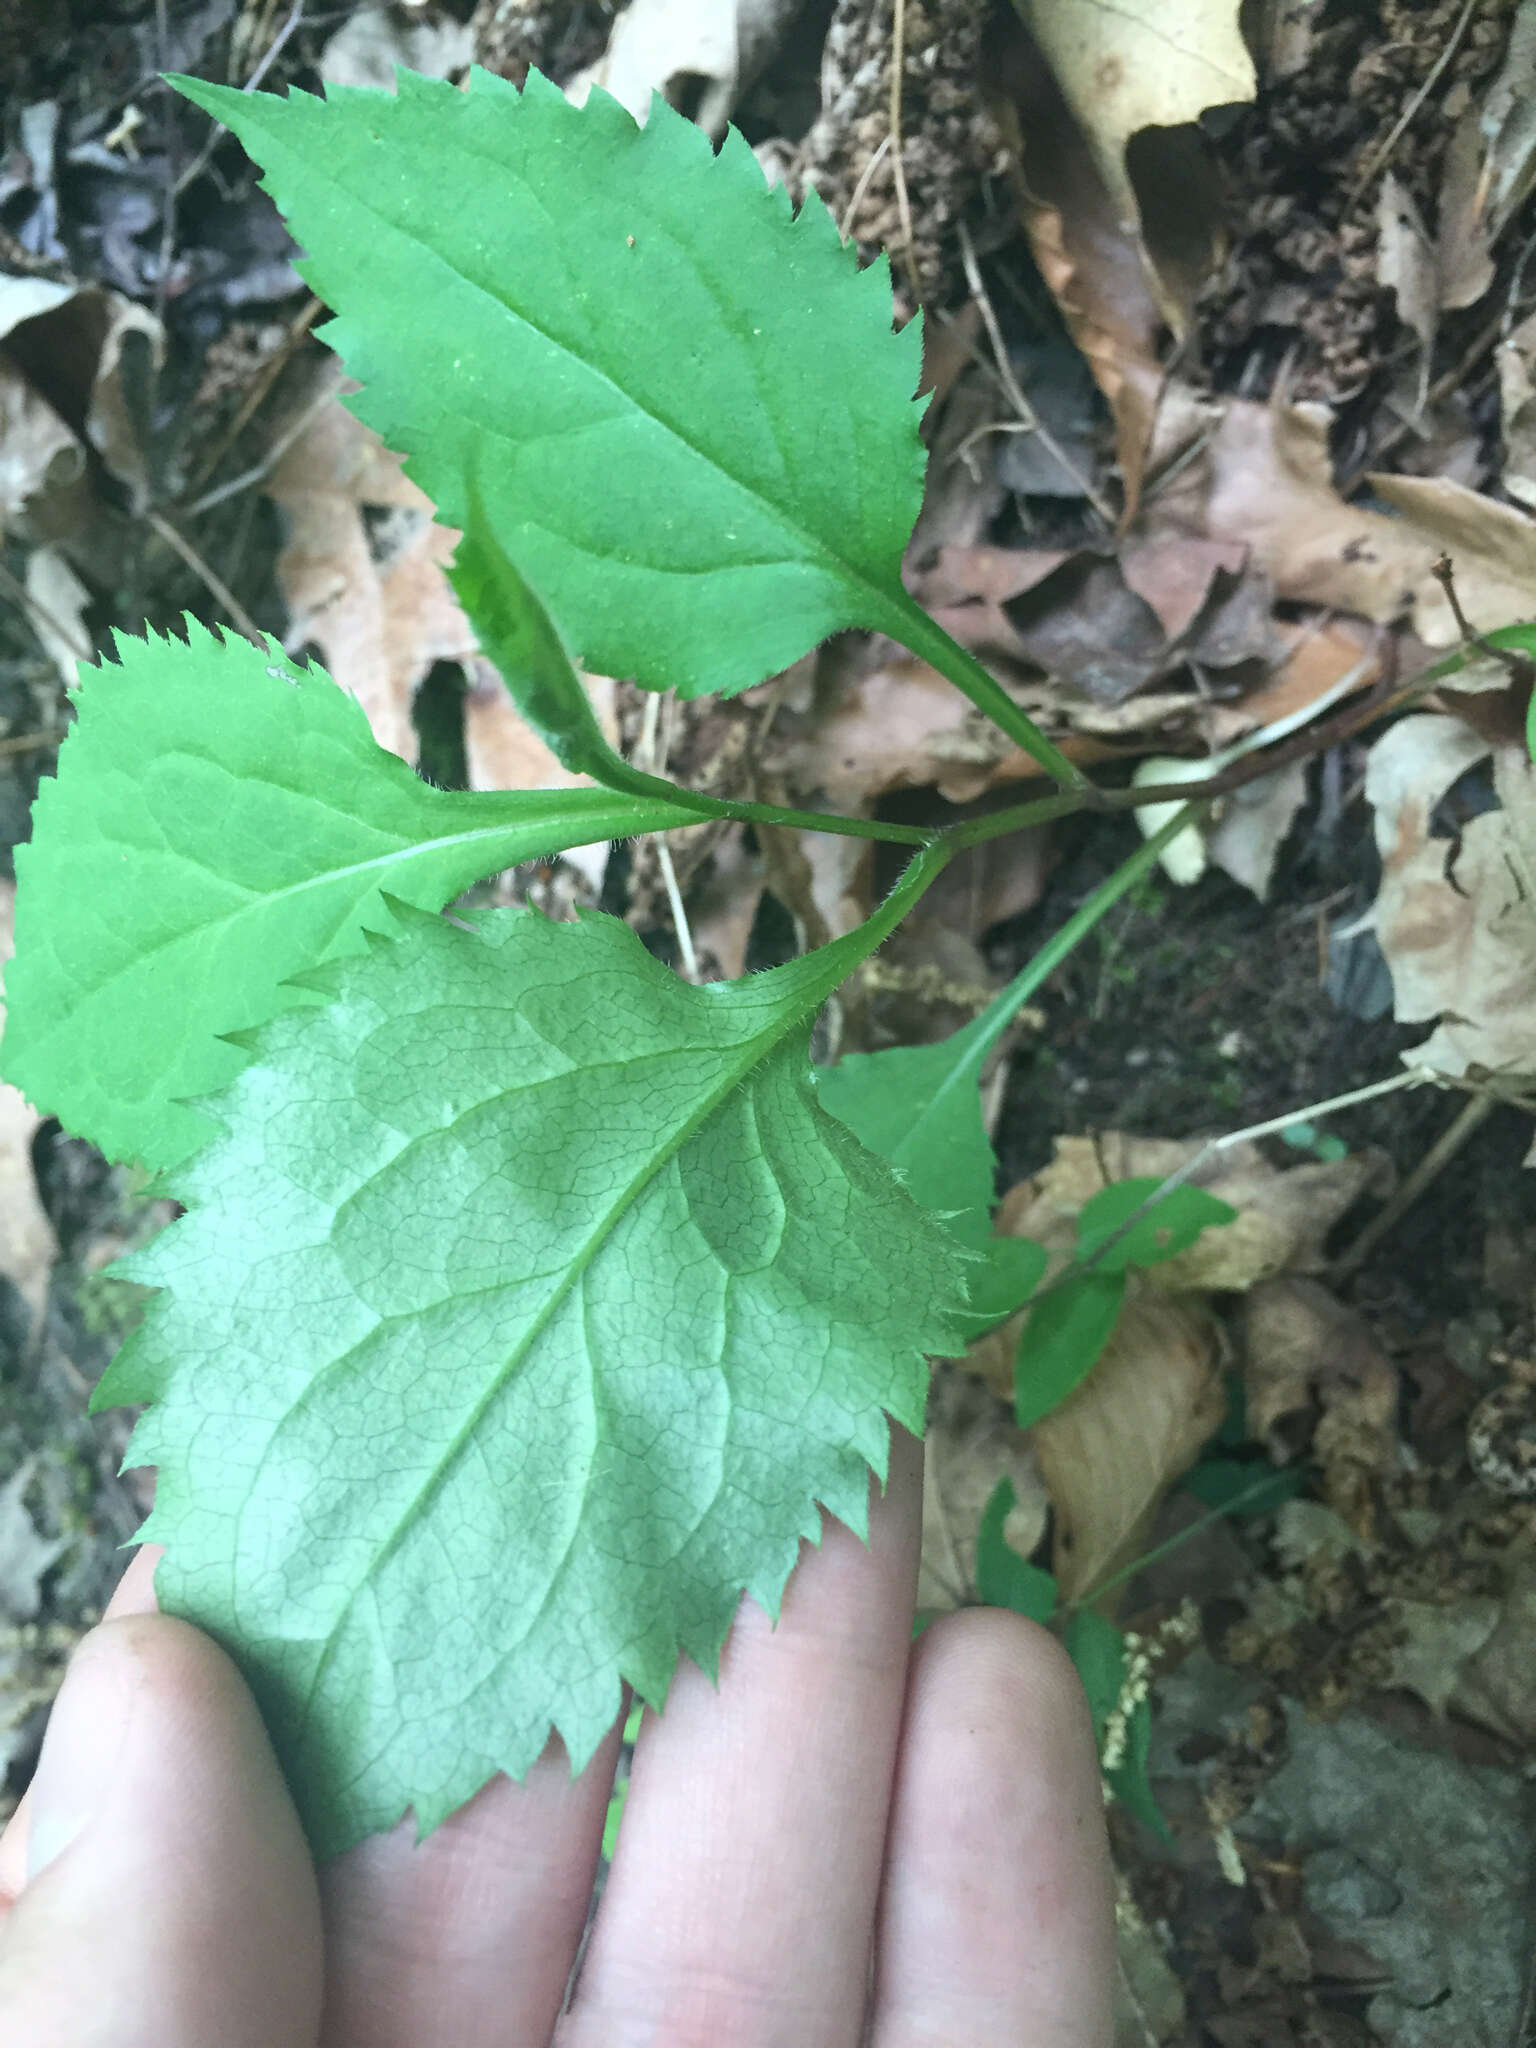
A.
pixel 845 227
pixel 219 131
pixel 1383 155
pixel 32 742
pixel 898 168
pixel 1470 1117
pixel 1021 405
pixel 276 450
pixel 239 617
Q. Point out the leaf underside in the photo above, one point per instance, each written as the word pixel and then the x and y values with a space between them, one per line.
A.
pixel 684 409
pixel 524 1309
pixel 222 820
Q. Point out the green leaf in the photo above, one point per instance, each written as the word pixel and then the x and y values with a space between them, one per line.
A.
pixel 1062 1341
pixel 1167 1229
pixel 1242 1486
pixel 1098 1649
pixel 693 427
pixel 523 1313
pixel 1003 1578
pixel 220 822
pixel 919 1107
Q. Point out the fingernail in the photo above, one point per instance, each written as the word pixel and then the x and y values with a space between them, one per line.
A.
pixel 84 1746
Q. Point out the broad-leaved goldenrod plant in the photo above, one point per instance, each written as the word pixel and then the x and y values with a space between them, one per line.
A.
pixel 529 1301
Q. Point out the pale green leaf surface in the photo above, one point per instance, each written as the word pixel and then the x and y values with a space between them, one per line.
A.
pixel 522 1315
pixel 220 821
pixel 692 426
pixel 1169 1227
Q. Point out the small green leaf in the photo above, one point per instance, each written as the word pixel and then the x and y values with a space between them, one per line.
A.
pixel 1167 1229
pixel 1242 1486
pixel 919 1107
pixel 524 1311
pixel 222 820
pixel 1128 1780
pixel 1062 1341
pixel 1003 1578
pixel 693 426
pixel 1097 1649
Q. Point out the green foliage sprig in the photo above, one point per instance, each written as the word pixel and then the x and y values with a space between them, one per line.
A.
pixel 529 1303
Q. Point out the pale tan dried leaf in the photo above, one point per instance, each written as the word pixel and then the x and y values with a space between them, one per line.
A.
pixel 1268 481
pixel 378 37
pixel 378 605
pixel 39 456
pixel 1140 64
pixel 702 52
pixel 723 907
pixel 1492 549
pixel 1284 1213
pixel 1112 1450
pixel 1437 1642
pixel 1304 1350
pixel 1509 124
pixel 1460 940
pixel 1405 260
pixel 1254 821
pixel 57 613
pixel 971 1444
pixel 1516 359
pixel 1495 1688
pixel 81 332
pixel 1463 258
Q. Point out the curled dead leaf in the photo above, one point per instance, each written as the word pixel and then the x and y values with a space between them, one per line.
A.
pixel 1112 1450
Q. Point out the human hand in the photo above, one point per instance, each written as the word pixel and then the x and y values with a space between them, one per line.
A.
pixel 837 1799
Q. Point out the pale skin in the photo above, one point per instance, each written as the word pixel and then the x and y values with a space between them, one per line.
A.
pixel 842 1797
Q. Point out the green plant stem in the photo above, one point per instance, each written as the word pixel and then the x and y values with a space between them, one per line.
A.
pixel 1000 1012
pixel 911 625
pixel 1174 1542
pixel 635 782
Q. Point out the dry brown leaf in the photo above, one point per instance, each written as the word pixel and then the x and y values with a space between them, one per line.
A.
pixel 378 37
pixel 1495 1688
pixel 1516 359
pixel 1139 64
pixel 1458 935
pixel 1246 839
pixel 362 572
pixel 27 1244
pixel 1112 1450
pixel 1437 1640
pixel 1092 266
pixel 702 54
pixel 971 1444
pixel 1266 479
pixel 1284 1214
pixel 57 611
pixel 1405 261
pixel 1492 549
pixel 68 341
pixel 1305 1351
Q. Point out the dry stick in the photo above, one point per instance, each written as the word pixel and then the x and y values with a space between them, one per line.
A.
pixel 240 618
pixel 262 383
pixel 845 228
pixel 1383 155
pixel 279 447
pixel 893 125
pixel 1010 383
pixel 32 742
pixel 1473 1113
pixel 219 131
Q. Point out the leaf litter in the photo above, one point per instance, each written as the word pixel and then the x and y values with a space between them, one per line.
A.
pixel 1277 518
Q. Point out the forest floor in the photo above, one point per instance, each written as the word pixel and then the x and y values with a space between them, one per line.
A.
pixel 1212 399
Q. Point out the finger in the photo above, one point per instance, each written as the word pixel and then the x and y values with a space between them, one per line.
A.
pixel 741 1903
pixel 997 1920
pixel 169 1901
pixel 135 1595
pixel 470 1935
